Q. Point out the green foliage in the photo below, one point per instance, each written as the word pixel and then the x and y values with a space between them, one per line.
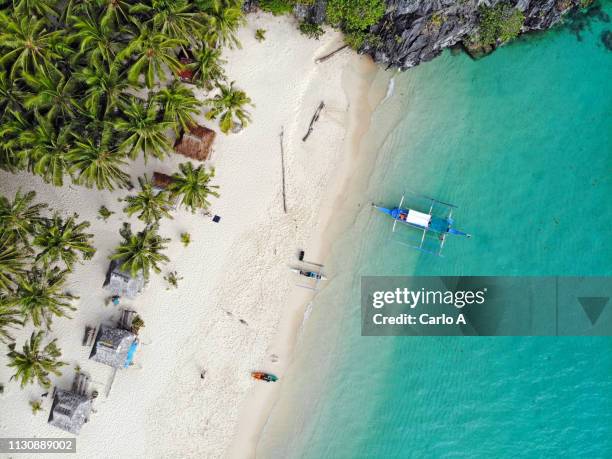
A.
pixel 178 105
pixel 207 67
pixel 277 7
pixel 436 20
pixel 141 251
pixel 36 406
pixel 150 204
pixel 69 71
pixel 104 213
pixel 63 240
pixel 501 22
pixel 228 105
pixel 311 30
pixel 354 15
pixel 40 296
pixel 260 34
pixel 10 318
pixel 192 186
pixel 34 364
pixel 186 238
pixel 358 38
pixel 137 324
pixel 172 278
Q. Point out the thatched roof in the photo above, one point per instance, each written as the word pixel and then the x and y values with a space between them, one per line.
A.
pixel 112 347
pixel 161 181
pixel 196 142
pixel 69 411
pixel 122 283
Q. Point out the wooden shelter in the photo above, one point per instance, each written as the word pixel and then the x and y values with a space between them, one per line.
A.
pixel 161 181
pixel 196 142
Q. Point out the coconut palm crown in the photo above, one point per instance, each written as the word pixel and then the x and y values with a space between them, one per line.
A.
pixel 141 252
pixel 192 186
pixel 34 364
pixel 63 240
pixel 150 204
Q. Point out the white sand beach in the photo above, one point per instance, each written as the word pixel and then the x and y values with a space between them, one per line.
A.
pixel 237 308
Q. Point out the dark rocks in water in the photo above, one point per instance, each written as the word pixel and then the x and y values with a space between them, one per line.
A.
pixel 415 31
pixel 606 39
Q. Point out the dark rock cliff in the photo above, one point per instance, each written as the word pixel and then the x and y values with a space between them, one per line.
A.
pixel 415 31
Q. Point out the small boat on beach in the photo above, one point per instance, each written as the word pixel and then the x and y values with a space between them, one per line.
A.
pixel 267 377
pixel 310 274
pixel 439 225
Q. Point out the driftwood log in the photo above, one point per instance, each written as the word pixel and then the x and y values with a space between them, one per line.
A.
pixel 330 55
pixel 314 119
pixel 283 169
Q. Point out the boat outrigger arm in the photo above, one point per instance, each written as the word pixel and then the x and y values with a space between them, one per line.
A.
pixel 425 222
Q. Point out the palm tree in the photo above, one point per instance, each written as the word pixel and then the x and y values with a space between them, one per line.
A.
pixel 13 260
pixel 52 91
pixel 38 8
pixel 39 295
pixel 178 104
pixel 46 149
pixel 228 105
pixel 98 163
pixel 96 39
pixel 224 19
pixel 10 95
pixel 33 364
pixel 151 52
pixel 114 12
pixel 207 67
pixel 20 217
pixel 177 19
pixel 106 88
pixel 141 251
pixel 30 46
pixel 63 240
pixel 143 131
pixel 11 156
pixel 193 186
pixel 152 205
pixel 10 317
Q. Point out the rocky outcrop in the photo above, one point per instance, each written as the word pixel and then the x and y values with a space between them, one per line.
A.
pixel 414 31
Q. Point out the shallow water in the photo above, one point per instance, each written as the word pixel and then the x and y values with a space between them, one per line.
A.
pixel 520 141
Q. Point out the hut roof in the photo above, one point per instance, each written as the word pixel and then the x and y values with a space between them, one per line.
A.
pixel 196 142
pixel 161 181
pixel 69 411
pixel 122 283
pixel 113 347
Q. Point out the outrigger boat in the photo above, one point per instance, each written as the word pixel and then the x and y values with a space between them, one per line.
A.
pixel 267 377
pixel 310 274
pixel 311 271
pixel 438 225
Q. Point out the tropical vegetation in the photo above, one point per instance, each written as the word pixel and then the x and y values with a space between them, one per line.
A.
pixel 150 204
pixel 191 185
pixel 37 251
pixel 229 106
pixel 501 22
pixel 142 251
pixel 87 86
pixel 34 363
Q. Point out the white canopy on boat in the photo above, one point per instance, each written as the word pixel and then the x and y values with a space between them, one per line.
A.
pixel 418 218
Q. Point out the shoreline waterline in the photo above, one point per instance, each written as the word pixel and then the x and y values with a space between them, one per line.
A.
pixel 363 85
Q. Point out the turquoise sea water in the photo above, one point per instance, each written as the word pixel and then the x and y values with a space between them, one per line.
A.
pixel 521 141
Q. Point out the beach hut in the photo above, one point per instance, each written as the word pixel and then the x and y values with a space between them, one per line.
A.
pixel 196 142
pixel 161 181
pixel 114 347
pixel 122 283
pixel 69 411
